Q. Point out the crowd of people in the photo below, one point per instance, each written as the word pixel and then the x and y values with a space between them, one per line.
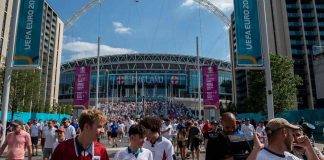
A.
pixel 118 110
pixel 155 137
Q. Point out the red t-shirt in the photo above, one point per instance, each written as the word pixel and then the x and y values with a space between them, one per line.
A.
pixel 67 150
pixel 206 128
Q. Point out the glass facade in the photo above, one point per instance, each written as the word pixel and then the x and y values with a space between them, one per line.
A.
pixel 156 84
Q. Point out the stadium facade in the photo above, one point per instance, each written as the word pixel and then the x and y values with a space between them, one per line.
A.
pixel 158 77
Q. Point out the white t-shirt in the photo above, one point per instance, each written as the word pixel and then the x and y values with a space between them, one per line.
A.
pixel 266 154
pixel 129 123
pixel 168 134
pixel 260 130
pixel 34 130
pixel 162 148
pixel 124 154
pixel 43 129
pixel 70 132
pixel 122 127
pixel 50 137
pixel 248 130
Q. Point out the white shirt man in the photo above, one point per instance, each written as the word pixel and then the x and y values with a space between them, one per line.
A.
pixel 247 130
pixel 266 154
pixel 70 132
pixel 167 130
pixel 122 128
pixel 50 138
pixel 129 123
pixel 34 130
pixel 143 154
pixel 161 149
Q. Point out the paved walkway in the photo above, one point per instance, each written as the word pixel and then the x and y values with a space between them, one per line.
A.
pixel 113 150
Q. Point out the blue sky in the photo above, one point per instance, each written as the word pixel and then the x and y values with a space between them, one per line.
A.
pixel 146 26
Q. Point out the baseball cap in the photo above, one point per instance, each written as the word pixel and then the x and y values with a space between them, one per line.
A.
pixel 65 119
pixel 278 123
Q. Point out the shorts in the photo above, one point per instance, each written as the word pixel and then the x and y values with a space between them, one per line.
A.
pixel 47 152
pixel 114 134
pixel 42 141
pixel 109 134
pixel 194 145
pixel 34 140
pixel 181 144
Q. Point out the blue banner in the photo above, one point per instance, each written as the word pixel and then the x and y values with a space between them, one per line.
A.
pixel 28 36
pixel 247 33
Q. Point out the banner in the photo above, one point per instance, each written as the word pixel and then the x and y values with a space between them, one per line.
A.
pixel 29 33
pixel 210 86
pixel 81 86
pixel 147 79
pixel 248 44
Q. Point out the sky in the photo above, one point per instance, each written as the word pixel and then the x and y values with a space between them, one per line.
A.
pixel 144 26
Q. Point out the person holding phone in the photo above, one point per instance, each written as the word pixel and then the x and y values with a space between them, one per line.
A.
pixel 282 138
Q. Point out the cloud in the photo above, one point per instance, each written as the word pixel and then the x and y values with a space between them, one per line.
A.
pixel 224 5
pixel 78 49
pixel 188 3
pixel 121 29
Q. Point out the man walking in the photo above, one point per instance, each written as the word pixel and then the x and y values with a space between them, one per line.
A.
pixel 69 129
pixel 17 141
pixel 35 133
pixel 160 146
pixel 230 143
pixel 50 139
pixel 84 146
pixel 282 138
pixel 135 150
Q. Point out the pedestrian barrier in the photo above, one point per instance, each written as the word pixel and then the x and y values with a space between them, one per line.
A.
pixel 26 116
pixel 315 117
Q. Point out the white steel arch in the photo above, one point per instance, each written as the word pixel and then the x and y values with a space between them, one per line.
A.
pixel 205 3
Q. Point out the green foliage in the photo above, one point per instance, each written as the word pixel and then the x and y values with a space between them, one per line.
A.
pixel 25 91
pixel 63 109
pixel 285 85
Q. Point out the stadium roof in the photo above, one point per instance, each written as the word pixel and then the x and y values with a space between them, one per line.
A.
pixel 140 61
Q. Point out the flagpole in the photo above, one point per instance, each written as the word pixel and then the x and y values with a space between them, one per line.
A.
pixel 113 91
pixel 107 86
pixel 143 96
pixel 136 90
pixel 199 81
pixel 97 79
pixel 118 90
pixel 8 68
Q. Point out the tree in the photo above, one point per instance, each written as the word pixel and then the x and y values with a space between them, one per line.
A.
pixel 64 109
pixel 284 83
pixel 25 91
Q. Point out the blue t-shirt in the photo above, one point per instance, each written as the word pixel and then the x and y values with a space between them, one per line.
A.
pixel 114 128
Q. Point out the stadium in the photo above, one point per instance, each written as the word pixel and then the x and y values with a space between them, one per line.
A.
pixel 158 77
